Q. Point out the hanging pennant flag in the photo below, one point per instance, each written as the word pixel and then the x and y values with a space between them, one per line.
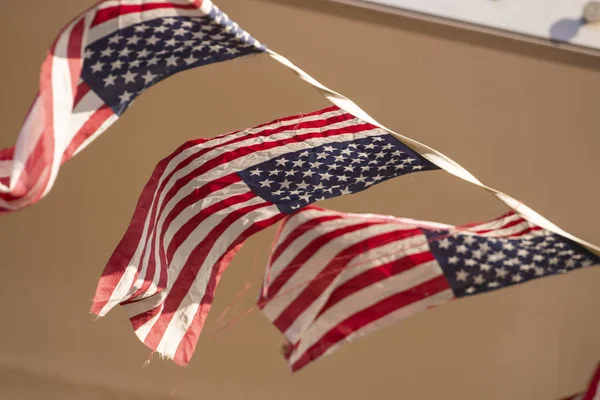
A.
pixel 206 198
pixel 97 66
pixel 333 277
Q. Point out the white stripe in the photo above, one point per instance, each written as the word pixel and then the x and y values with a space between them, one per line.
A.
pixel 185 313
pixel 364 299
pixel 301 217
pixel 391 318
pixel 103 127
pixel 495 224
pixel 363 262
pixel 143 330
pixel 5 170
pixel 318 261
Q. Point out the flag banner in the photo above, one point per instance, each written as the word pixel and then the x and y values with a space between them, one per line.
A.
pixel 205 199
pixel 99 63
pixel 592 392
pixel 333 277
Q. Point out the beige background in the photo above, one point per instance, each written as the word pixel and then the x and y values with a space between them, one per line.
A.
pixel 522 117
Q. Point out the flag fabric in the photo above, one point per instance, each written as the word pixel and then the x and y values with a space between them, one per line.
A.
pixel 333 277
pixel 207 197
pixel 592 392
pixel 99 63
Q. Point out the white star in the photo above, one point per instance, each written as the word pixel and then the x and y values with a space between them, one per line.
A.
pixel 118 64
pixel 339 158
pixel 363 154
pixel 522 253
pixel 153 61
pixel 88 54
pixel 172 61
pixel 319 186
pixel 470 262
pixel 255 172
pixel 97 67
pixel 303 185
pixel 477 254
pixel 321 155
pixel 380 154
pixel 232 50
pixel 290 172
pixel 143 53
pixel 377 178
pixel 141 28
pixel 539 271
pixel 462 275
pixel 187 24
pixel 294 192
pixel 525 267
pixel 346 151
pixel 468 239
pixel 538 257
pixel 493 284
pixel 125 52
pixel 326 175
pixel 152 40
pixel 106 52
pixel 298 163
pixel 361 179
pixel 484 247
pixel 365 168
pixel 206 28
pixel 179 32
pixel 501 272
pixel 508 246
pixel 215 48
pixel 266 183
pixel 370 146
pixel 169 21
pixel 218 36
pixel 382 168
pixel 417 167
pixel 478 279
pixel 329 148
pixel 315 164
pixel 497 256
pixel 517 278
pixel 109 80
pixel 453 260
pixel 397 153
pixel 470 290
pixel 409 160
pixel 353 145
pixel 125 97
pixel 190 60
pixel 134 39
pixel 344 191
pixel 171 42
pixel 130 77
pixel 342 178
pixel 570 263
pixel 135 63
pixel 305 197
pixel 115 39
pixel 278 192
pixel 485 267
pixel 274 172
pixel 303 154
pixel 444 243
pixel 387 147
pixel 198 35
pixel 307 174
pixel 281 161
pixel 285 184
pixel 462 249
pixel 553 261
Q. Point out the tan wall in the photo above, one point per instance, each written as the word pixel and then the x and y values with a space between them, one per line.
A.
pixel 521 117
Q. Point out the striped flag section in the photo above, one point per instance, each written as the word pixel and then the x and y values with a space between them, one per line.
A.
pixel 99 63
pixel 593 390
pixel 333 277
pixel 205 199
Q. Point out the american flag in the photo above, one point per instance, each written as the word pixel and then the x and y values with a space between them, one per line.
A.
pixel 334 277
pixel 99 63
pixel 206 198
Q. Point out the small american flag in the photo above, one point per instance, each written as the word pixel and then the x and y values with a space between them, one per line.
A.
pixel 204 200
pixel 97 66
pixel 333 276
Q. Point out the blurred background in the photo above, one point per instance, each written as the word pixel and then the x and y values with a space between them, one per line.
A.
pixel 522 117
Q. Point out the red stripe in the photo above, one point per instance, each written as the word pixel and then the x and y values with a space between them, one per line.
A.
pixel 317 286
pixel 74 54
pixel 187 345
pixel 109 13
pixel 138 320
pixel 307 252
pixel 89 128
pixel 593 385
pixel 189 272
pixel 506 226
pixel 370 315
pixel 80 93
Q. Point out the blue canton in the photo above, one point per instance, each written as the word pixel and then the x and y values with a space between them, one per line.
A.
pixel 296 179
pixel 120 66
pixel 477 264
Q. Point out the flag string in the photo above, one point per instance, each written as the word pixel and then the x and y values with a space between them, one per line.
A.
pixel 441 160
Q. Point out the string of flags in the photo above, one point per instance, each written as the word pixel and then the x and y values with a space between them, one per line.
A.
pixel 332 277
